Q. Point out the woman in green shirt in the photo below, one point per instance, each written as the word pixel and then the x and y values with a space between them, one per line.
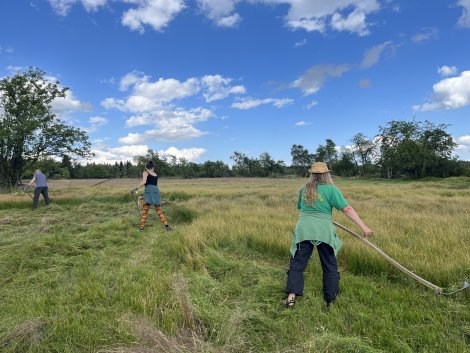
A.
pixel 315 228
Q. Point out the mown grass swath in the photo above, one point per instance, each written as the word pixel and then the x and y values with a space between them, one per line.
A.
pixel 77 276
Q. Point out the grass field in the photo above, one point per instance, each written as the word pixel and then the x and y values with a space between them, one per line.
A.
pixel 78 276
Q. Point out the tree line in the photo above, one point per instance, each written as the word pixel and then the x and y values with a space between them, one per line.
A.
pixel 32 137
pixel 413 150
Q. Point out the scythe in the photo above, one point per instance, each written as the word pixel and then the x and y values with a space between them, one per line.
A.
pixel 438 290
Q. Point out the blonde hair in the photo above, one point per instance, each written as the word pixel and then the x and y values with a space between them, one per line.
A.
pixel 311 187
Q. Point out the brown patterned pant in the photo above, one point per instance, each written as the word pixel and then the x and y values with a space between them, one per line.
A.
pixel 145 210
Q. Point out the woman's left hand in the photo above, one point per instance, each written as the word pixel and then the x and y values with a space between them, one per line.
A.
pixel 367 231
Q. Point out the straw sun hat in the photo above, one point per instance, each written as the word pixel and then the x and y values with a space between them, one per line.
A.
pixel 319 168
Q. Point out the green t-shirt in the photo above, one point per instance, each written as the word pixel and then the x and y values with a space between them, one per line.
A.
pixel 328 196
pixel 314 222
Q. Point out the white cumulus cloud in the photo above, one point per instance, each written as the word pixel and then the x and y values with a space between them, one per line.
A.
pixel 153 103
pixel 177 125
pixel 62 7
pixel 309 15
pixel 69 104
pixel 312 80
pixel 190 154
pixel 154 13
pixel 354 22
pixel 217 87
pixel 147 95
pixel 165 133
pixel 131 79
pixel 221 12
pixel 447 70
pixel 449 93
pixel 229 21
pixel 98 120
pixel 110 155
pixel 464 140
pixel 95 122
pixel 301 123
pixel 340 15
pixel 250 103
pixel 463 147
pixel 177 116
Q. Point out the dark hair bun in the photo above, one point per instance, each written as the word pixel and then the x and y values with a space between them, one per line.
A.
pixel 149 165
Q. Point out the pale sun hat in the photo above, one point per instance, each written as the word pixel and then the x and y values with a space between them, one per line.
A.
pixel 319 168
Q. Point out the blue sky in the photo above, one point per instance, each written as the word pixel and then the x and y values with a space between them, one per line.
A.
pixel 201 79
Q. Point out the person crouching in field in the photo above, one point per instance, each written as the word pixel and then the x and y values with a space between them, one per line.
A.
pixel 151 195
pixel 315 228
pixel 41 188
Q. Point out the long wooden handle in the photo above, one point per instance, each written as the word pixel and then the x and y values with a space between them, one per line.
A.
pixel 437 289
pixel 101 182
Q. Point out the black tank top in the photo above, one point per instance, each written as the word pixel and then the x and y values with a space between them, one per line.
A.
pixel 151 180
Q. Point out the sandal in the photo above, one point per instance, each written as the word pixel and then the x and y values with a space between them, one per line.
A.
pixel 288 303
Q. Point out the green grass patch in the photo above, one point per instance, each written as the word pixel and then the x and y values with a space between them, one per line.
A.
pixel 176 196
pixel 78 276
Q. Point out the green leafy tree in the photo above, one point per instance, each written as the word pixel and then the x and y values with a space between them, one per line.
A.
pixel 345 165
pixel 241 164
pixel 391 137
pixel 96 171
pixel 437 147
pixel 267 164
pixel 162 167
pixel 364 150
pixel 183 168
pixel 415 149
pixel 279 168
pixel 215 169
pixel 255 168
pixel 28 129
pixel 66 164
pixel 301 159
pixel 327 153
pixel 50 167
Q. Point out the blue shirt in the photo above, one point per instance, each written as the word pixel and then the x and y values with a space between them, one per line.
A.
pixel 40 180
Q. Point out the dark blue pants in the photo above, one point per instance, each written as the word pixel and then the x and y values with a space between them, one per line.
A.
pixel 298 264
pixel 38 191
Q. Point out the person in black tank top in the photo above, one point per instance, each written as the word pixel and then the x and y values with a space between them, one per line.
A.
pixel 151 196
pixel 151 180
